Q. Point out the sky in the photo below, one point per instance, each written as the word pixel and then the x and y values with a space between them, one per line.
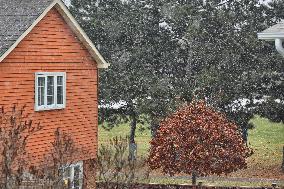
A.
pixel 67 2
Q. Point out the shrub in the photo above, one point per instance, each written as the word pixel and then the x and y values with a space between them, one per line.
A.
pixel 198 140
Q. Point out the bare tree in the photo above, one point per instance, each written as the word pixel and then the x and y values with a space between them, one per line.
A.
pixel 15 129
pixel 114 168
pixel 50 174
pixel 16 168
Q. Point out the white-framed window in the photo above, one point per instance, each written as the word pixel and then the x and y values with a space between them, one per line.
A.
pixel 73 176
pixel 50 90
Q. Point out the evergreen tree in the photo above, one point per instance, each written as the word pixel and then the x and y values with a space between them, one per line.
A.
pixel 229 59
pixel 164 53
pixel 130 37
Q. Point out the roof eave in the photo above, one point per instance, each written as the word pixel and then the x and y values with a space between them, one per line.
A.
pixel 83 37
pixel 271 36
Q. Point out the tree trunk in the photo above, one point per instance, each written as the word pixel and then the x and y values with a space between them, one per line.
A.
pixel 154 128
pixel 194 178
pixel 132 129
pixel 132 143
pixel 282 166
pixel 245 134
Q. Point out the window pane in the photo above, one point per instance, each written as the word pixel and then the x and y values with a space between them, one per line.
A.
pixel 41 81
pixel 67 172
pixel 77 172
pixel 59 80
pixel 59 94
pixel 50 90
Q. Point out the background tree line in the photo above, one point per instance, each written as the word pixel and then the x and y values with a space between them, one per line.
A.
pixel 164 53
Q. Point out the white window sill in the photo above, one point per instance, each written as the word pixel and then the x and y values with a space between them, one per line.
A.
pixel 39 109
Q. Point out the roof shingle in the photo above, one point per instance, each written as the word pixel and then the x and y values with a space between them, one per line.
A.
pixel 16 16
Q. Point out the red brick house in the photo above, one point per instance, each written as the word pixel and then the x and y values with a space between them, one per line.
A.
pixel 49 64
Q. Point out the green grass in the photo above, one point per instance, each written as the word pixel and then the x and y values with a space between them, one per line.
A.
pixel 142 138
pixel 266 140
pixel 267 135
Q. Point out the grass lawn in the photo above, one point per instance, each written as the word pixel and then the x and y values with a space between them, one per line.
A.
pixel 266 139
pixel 142 137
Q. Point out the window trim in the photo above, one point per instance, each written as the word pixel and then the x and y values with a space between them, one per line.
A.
pixel 55 106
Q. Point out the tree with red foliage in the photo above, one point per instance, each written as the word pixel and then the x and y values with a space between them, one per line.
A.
pixel 198 140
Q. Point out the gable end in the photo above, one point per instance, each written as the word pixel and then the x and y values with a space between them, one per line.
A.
pixel 75 27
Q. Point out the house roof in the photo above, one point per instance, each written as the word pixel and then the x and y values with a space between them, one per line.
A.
pixel 19 17
pixel 272 33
